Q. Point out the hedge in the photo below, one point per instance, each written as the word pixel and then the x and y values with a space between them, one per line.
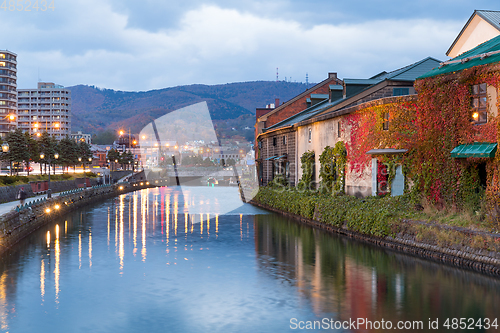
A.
pixel 371 216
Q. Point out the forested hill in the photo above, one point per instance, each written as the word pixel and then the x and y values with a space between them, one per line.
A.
pixel 95 109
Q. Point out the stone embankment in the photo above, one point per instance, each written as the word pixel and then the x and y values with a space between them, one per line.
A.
pixel 22 221
pixel 9 193
pixel 486 262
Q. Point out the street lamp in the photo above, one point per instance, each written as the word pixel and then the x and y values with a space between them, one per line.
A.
pixel 85 178
pixel 11 117
pixel 5 149
pixel 83 166
pixel 42 156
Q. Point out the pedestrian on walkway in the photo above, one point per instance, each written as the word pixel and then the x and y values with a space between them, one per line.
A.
pixel 22 195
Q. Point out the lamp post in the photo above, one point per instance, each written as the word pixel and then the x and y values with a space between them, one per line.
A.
pixel 49 161
pixel 85 179
pixel 5 149
pixel 83 168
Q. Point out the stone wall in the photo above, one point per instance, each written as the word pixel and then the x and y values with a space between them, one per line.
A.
pixel 16 225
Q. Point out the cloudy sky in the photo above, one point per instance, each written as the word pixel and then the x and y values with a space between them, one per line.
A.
pixel 151 44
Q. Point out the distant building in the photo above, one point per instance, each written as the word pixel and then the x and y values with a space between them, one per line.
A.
pixel 99 155
pixel 45 109
pixel 79 136
pixel 8 94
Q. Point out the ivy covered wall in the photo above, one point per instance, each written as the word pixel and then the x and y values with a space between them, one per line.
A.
pixel 430 126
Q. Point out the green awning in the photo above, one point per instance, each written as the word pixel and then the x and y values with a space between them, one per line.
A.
pixel 476 149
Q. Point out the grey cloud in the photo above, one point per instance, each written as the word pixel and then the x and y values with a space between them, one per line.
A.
pixel 132 45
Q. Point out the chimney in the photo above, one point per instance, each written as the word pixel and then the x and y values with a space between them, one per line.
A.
pixel 276 102
pixel 332 75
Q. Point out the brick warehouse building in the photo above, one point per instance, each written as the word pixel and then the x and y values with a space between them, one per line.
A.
pixel 297 104
pixel 280 146
pixel 284 145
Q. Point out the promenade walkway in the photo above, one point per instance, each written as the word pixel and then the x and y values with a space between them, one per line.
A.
pixel 11 205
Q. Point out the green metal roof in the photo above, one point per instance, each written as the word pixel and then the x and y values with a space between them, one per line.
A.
pixel 476 149
pixel 355 86
pixel 489 46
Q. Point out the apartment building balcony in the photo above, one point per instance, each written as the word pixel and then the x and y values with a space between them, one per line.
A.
pixel 9 75
pixel 5 88
pixel 8 98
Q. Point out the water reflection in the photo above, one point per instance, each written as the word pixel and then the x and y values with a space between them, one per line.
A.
pixel 42 279
pixel 4 302
pixel 57 251
pixel 353 280
pixel 257 272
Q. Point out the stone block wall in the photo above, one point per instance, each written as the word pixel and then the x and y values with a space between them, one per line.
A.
pixel 16 225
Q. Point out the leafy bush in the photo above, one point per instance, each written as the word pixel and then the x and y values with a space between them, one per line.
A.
pixel 371 216
pixel 10 180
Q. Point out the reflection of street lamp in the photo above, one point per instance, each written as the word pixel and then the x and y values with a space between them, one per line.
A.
pixel 42 156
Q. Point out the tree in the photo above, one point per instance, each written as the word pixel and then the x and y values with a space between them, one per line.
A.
pixel 68 152
pixel 113 155
pixel 106 137
pixel 127 158
pixel 18 148
pixel 33 150
pixel 47 146
pixel 84 152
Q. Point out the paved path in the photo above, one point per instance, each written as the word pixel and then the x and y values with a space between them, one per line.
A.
pixel 8 206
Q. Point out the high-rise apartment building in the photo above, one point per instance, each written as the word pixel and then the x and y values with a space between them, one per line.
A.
pixel 8 92
pixel 45 109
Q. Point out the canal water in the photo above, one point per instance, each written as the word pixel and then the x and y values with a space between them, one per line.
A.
pixel 166 260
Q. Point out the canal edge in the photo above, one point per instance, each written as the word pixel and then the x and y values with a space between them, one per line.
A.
pixel 461 259
pixel 19 223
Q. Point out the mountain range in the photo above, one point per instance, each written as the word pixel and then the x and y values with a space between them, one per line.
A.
pixel 96 109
